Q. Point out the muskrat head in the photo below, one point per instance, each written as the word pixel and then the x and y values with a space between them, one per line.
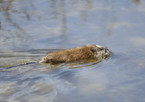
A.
pixel 99 51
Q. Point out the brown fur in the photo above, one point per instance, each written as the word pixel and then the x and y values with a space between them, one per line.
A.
pixel 69 55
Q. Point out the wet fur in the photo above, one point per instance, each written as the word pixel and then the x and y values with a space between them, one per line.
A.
pixel 70 55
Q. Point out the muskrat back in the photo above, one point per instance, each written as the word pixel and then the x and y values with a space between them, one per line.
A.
pixel 79 53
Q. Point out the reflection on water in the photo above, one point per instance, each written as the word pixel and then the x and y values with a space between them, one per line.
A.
pixel 24 21
pixel 29 28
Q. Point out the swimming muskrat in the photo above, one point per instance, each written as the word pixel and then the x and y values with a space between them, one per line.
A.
pixel 75 54
pixel 70 55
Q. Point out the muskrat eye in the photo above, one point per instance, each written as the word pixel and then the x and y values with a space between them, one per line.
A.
pixel 101 48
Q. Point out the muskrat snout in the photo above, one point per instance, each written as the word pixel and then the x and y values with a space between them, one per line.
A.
pixel 102 51
pixel 107 51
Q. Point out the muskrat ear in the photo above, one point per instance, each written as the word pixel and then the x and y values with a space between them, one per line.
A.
pixel 93 50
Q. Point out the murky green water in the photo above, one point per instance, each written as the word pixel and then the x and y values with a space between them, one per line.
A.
pixel 31 28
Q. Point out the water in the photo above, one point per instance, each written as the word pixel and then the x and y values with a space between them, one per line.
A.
pixel 30 29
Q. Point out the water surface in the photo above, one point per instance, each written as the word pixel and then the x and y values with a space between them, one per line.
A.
pixel 29 29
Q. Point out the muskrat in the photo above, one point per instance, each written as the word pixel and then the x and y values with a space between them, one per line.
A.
pixel 75 54
pixel 70 55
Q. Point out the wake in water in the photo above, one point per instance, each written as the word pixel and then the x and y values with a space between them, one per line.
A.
pixel 28 63
pixel 95 61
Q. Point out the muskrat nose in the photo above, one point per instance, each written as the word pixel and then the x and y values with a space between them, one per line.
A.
pixel 106 50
